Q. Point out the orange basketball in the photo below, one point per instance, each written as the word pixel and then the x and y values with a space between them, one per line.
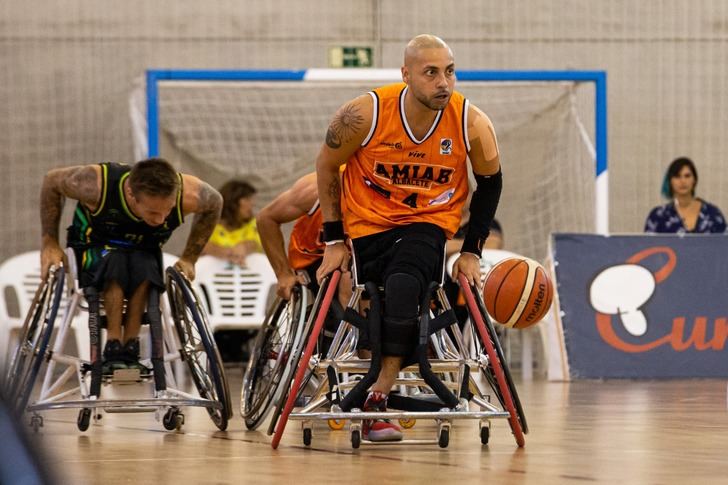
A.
pixel 517 292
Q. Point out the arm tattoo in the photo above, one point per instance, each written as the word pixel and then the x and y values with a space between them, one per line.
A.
pixel 80 183
pixel 207 216
pixel 335 195
pixel 344 126
pixel 51 206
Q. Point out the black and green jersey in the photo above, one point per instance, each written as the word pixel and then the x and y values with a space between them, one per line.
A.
pixel 113 224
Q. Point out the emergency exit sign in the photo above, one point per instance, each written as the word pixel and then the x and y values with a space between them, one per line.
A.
pixel 358 56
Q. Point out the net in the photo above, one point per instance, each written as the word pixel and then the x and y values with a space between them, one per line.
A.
pixel 270 132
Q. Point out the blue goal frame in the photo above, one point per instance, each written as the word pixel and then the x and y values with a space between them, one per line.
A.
pixel 599 78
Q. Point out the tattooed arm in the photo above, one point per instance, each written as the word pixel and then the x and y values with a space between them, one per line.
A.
pixel 83 183
pixel 345 134
pixel 206 203
pixel 287 207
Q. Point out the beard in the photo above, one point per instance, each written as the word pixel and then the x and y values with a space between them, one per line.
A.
pixel 434 103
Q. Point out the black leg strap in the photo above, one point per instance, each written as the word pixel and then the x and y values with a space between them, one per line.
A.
pixel 356 397
pixel 155 326
pixel 94 330
pixel 430 378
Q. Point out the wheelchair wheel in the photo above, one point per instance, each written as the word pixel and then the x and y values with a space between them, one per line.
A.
pixel 269 362
pixel 198 347
pixel 34 340
pixel 490 375
pixel 295 381
pixel 496 370
pixel 300 339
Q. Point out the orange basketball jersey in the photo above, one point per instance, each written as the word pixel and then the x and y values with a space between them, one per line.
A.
pixel 305 246
pixel 394 179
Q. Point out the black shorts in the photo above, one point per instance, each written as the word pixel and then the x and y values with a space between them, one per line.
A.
pixel 416 249
pixel 128 268
pixel 310 270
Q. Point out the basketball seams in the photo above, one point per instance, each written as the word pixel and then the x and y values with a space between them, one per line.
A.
pixel 503 281
pixel 525 292
pixel 490 290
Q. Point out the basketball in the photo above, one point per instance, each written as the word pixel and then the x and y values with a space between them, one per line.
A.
pixel 517 292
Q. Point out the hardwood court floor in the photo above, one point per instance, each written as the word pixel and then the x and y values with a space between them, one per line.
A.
pixel 615 432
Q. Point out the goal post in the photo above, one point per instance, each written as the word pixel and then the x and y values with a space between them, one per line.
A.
pixel 552 134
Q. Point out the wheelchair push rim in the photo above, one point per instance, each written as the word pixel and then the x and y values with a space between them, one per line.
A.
pixel 198 347
pixel 503 381
pixel 35 337
pixel 269 362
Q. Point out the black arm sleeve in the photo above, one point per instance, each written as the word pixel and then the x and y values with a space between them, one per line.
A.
pixel 482 211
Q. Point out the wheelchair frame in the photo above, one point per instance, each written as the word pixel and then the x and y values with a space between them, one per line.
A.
pixel 320 388
pixel 191 342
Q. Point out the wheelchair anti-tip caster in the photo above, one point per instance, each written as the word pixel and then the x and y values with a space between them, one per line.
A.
pixel 173 419
pixel 336 424
pixel 355 438
pixel 484 433
pixel 407 423
pixel 355 430
pixel 443 438
pixel 84 419
pixel 307 434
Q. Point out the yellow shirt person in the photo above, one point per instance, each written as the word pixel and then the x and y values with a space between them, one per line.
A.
pixel 236 235
pixel 228 238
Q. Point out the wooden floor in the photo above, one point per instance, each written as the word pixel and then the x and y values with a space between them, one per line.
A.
pixel 615 432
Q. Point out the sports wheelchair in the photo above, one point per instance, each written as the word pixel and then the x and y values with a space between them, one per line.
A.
pixel 179 333
pixel 455 369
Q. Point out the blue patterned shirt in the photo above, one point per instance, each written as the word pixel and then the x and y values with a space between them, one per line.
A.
pixel 665 219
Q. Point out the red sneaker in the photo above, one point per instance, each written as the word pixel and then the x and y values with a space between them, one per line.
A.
pixel 379 429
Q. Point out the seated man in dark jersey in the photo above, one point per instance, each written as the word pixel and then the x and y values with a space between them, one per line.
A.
pixel 125 213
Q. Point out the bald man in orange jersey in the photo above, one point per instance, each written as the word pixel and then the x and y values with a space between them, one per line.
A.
pixel 406 148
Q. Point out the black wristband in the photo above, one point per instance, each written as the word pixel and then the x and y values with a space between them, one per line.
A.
pixel 473 244
pixel 333 231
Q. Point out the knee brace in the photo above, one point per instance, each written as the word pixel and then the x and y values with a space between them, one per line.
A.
pixel 401 313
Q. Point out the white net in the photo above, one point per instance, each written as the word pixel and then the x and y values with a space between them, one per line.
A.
pixel 270 132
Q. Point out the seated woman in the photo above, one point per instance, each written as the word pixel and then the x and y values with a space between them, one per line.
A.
pixel 236 235
pixel 685 213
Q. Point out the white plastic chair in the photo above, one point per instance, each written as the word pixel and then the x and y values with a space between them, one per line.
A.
pixel 19 280
pixel 237 297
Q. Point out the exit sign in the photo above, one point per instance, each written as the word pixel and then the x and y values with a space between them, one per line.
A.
pixel 350 57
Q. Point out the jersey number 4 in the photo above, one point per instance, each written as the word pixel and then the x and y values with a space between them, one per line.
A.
pixel 411 200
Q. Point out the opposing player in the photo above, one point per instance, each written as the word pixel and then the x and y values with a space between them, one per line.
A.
pixel 406 148
pixel 125 213
pixel 305 249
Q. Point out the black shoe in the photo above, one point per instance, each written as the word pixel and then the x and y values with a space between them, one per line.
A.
pixel 130 355
pixel 112 350
pixel 112 357
pixel 130 352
